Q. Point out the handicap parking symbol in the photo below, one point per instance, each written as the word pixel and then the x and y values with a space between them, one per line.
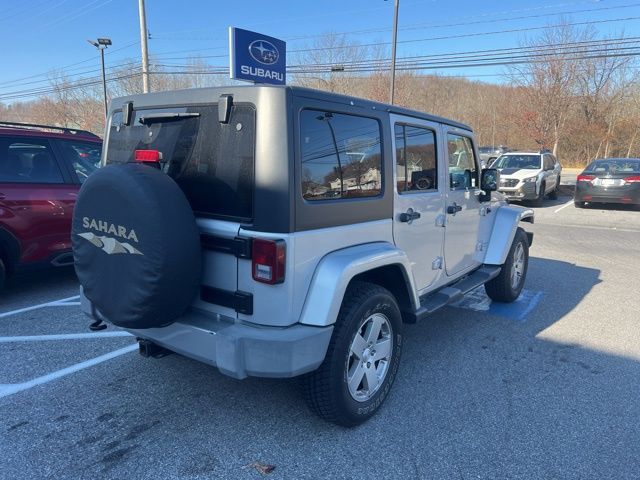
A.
pixel 518 310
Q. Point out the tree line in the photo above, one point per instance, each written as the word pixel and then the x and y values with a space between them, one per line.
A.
pixel 577 94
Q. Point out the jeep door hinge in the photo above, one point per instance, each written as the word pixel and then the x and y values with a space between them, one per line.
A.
pixel 436 264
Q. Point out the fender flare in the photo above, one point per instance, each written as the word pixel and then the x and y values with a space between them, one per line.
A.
pixel 504 230
pixel 337 269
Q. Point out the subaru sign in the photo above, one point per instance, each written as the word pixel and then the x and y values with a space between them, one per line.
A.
pixel 256 57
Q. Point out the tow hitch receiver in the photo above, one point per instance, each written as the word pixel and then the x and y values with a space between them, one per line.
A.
pixel 150 349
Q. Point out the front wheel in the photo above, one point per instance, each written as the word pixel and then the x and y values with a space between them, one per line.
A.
pixel 553 195
pixel 541 194
pixel 362 359
pixel 506 287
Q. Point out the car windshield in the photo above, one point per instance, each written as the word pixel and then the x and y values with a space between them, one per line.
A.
pixel 617 165
pixel 486 149
pixel 531 162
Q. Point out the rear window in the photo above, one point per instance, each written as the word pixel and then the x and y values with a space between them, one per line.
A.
pixel 614 166
pixel 212 162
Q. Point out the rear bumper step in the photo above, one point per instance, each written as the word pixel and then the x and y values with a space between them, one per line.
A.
pixel 237 349
pixel 452 293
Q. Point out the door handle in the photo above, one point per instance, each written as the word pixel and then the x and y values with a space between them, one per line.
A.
pixel 454 208
pixel 409 216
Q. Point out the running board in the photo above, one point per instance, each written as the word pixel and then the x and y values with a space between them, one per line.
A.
pixel 451 293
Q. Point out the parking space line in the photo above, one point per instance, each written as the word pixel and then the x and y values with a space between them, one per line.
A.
pixel 54 303
pixel 12 388
pixel 63 336
pixel 570 202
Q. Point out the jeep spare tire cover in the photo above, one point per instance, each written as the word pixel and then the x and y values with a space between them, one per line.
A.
pixel 136 246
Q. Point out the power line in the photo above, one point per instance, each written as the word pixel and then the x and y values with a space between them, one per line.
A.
pixel 43 74
pixel 606 48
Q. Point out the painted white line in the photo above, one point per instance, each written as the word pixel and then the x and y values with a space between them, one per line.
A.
pixel 570 202
pixel 65 304
pixel 35 307
pixel 12 388
pixel 63 336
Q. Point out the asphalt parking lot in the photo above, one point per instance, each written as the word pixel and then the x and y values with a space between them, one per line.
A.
pixel 545 388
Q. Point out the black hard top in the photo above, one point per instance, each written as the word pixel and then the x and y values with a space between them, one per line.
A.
pixel 197 95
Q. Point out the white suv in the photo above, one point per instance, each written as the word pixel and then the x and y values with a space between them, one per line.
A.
pixel 279 231
pixel 528 175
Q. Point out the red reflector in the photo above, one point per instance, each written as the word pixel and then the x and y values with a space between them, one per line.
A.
pixel 587 197
pixel 268 260
pixel 635 179
pixel 586 178
pixel 148 156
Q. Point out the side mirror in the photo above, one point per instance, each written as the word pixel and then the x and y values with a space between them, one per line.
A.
pixel 490 180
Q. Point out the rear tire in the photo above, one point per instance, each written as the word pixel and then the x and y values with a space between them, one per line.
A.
pixel 506 287
pixel 362 358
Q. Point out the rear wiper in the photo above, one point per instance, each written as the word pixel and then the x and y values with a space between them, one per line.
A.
pixel 163 117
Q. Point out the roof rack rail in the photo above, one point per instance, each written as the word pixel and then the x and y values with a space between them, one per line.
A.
pixel 34 126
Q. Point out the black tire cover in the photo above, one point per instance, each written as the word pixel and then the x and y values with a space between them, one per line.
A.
pixel 136 246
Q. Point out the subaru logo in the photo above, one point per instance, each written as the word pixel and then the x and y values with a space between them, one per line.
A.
pixel 264 52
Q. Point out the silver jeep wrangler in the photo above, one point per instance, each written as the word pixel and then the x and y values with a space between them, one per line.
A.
pixel 282 231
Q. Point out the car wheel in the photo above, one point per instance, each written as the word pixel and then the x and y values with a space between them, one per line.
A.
pixel 579 204
pixel 553 195
pixel 3 274
pixel 362 358
pixel 506 287
pixel 540 198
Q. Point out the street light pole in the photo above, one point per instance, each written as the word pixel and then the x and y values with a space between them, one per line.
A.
pixel 143 46
pixel 393 51
pixel 101 44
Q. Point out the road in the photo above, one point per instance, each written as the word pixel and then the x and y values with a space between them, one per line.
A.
pixel 545 388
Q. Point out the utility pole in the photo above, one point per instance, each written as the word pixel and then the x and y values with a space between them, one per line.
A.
pixel 393 50
pixel 143 45
pixel 101 44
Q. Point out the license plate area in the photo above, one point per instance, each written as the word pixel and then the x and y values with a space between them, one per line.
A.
pixel 608 182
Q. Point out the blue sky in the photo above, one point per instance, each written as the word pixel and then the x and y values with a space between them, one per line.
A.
pixel 38 36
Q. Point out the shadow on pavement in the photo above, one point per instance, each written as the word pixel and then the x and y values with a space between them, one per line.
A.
pixel 39 286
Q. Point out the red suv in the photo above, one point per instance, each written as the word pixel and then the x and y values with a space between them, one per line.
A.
pixel 41 169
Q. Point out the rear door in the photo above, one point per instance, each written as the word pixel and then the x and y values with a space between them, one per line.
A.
pixel 462 206
pixel 36 197
pixel 213 163
pixel 418 197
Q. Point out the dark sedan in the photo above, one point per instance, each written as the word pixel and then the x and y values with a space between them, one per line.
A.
pixel 610 180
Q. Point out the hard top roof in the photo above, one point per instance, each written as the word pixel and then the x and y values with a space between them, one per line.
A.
pixel 176 97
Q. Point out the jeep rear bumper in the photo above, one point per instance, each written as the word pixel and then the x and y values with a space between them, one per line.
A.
pixel 239 350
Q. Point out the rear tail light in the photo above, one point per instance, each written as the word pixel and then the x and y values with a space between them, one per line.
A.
pixel 148 156
pixel 586 178
pixel 268 260
pixel 635 179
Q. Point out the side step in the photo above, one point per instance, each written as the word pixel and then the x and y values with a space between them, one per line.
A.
pixel 451 293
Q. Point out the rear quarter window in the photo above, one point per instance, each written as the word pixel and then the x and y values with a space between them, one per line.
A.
pixel 341 156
